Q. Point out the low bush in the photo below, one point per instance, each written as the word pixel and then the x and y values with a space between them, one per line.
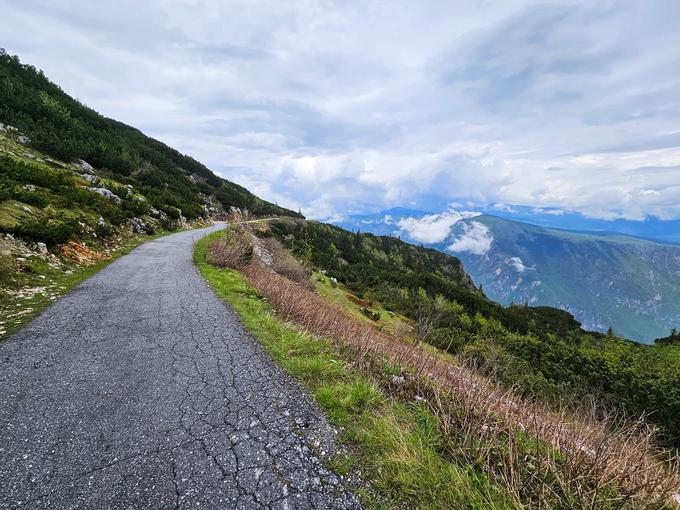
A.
pixel 103 230
pixel 233 251
pixel 6 269
pixel 367 312
pixel 286 264
pixel 50 231
pixel 36 198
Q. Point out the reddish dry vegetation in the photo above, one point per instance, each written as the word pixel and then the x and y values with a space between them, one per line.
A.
pixel 80 254
pixel 546 457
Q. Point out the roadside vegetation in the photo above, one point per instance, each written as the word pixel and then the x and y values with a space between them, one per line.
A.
pixel 537 351
pixel 30 283
pixel 426 430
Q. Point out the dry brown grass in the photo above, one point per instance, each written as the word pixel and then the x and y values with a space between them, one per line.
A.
pixel 543 456
pixel 236 215
pixel 233 251
pixel 286 264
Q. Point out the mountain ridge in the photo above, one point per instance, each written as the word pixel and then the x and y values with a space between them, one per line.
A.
pixel 631 305
pixel 54 123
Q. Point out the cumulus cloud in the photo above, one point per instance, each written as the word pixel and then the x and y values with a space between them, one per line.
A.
pixel 433 228
pixel 476 239
pixel 348 107
pixel 516 263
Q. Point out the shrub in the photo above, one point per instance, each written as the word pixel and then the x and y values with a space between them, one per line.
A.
pixel 234 251
pixel 374 316
pixel 35 198
pixel 103 230
pixel 50 231
pixel 6 269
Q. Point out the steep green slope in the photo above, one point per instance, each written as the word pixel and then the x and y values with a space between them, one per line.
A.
pixel 63 128
pixel 541 351
pixel 606 280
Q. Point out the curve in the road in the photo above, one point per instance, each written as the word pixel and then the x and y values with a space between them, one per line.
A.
pixel 141 389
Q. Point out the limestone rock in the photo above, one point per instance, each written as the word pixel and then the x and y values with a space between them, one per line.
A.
pixel 107 193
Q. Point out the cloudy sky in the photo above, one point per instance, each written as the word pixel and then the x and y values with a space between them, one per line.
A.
pixel 339 107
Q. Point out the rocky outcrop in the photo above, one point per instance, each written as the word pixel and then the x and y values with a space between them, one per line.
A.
pixel 88 177
pixel 83 165
pixel 107 193
pixel 138 226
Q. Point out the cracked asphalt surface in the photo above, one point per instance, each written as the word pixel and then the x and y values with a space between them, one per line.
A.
pixel 141 389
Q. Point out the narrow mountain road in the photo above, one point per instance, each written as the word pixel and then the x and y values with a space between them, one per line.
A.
pixel 141 389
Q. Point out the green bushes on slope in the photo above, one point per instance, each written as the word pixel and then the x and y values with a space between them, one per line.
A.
pixel 543 351
pixel 64 128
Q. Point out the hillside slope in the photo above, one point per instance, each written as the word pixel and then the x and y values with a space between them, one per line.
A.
pixel 541 351
pixel 627 283
pixel 604 279
pixel 49 120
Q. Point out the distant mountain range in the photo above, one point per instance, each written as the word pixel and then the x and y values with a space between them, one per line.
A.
pixel 605 279
pixel 649 228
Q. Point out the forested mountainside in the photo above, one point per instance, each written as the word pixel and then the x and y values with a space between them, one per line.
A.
pixel 629 284
pixel 605 279
pixel 542 351
pixel 39 115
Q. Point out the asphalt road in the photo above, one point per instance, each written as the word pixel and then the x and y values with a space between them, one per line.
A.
pixel 141 389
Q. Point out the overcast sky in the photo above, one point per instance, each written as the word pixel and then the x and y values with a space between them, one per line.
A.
pixel 338 107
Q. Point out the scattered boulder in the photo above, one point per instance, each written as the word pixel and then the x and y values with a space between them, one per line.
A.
pixel 24 140
pixel 398 380
pixel 88 177
pixel 107 193
pixel 84 165
pixel 138 226
pixel 30 187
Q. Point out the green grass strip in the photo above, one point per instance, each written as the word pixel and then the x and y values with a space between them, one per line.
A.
pixel 394 444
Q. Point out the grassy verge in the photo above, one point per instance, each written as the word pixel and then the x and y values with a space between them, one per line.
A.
pixel 340 296
pixel 395 444
pixel 38 284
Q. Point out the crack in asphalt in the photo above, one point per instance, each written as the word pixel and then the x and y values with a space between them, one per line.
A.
pixel 141 389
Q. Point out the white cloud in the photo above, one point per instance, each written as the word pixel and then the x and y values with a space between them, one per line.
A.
pixel 433 228
pixel 516 263
pixel 345 107
pixel 476 239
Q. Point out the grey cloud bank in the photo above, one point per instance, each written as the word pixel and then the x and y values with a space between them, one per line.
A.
pixel 353 106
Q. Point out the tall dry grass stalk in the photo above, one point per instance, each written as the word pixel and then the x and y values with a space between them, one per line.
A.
pixel 547 457
pixel 236 215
